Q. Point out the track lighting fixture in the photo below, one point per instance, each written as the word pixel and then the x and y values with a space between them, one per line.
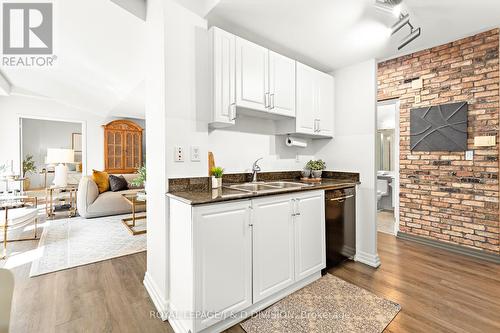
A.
pixel 414 34
pixel 403 20
pixel 394 7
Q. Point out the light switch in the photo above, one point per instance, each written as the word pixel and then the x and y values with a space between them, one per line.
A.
pixel 195 153
pixel 417 99
pixel 469 155
pixel 178 154
pixel 485 141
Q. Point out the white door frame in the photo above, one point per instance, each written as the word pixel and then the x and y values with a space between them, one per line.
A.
pixel 83 124
pixel 395 187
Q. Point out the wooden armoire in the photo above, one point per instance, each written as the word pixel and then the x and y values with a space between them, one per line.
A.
pixel 122 146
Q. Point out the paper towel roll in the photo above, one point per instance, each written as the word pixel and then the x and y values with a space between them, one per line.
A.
pixel 295 142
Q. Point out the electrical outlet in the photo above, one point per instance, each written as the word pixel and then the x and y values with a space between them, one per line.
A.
pixel 417 99
pixel 469 155
pixel 178 154
pixel 195 154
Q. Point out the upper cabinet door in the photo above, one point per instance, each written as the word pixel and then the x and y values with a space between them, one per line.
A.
pixel 224 77
pixel 306 113
pixel 281 84
pixel 310 254
pixel 326 108
pixel 252 75
pixel 273 245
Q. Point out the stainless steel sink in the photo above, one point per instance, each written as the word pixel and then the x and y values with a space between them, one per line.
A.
pixel 284 184
pixel 252 187
pixel 266 186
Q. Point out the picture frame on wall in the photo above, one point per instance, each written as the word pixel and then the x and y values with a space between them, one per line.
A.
pixel 76 142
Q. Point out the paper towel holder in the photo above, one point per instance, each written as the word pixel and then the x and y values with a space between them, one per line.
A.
pixel 295 142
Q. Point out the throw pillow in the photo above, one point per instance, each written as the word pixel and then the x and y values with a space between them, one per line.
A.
pixel 101 178
pixel 117 183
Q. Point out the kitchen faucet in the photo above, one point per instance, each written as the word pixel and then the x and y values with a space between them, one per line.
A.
pixel 255 169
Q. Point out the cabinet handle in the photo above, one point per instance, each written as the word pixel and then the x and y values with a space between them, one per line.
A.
pixel 319 125
pixel 266 100
pixel 293 207
pixel 297 202
pixel 272 101
pixel 233 111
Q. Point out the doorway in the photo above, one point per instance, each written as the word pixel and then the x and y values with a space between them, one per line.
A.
pixel 387 166
pixel 37 135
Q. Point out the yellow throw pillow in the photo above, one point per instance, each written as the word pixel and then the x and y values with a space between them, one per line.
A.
pixel 101 178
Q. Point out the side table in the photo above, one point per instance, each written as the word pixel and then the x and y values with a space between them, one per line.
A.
pixel 49 199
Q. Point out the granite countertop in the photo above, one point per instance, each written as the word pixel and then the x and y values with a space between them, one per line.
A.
pixel 207 196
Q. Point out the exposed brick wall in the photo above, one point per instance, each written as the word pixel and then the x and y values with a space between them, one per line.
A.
pixel 443 196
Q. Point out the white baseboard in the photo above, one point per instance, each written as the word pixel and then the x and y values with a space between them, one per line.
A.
pixel 159 302
pixel 372 260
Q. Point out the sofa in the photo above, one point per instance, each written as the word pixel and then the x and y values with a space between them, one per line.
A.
pixel 91 204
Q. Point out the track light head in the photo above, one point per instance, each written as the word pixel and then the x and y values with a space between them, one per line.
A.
pixel 403 20
pixel 414 34
pixel 389 6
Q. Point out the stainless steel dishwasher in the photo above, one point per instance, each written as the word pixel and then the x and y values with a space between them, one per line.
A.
pixel 340 215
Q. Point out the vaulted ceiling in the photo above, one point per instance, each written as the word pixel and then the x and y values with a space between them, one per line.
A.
pixel 100 49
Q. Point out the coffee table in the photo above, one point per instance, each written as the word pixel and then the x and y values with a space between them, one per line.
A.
pixel 129 222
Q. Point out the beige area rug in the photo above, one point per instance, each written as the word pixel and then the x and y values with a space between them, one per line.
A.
pixel 327 305
pixel 77 241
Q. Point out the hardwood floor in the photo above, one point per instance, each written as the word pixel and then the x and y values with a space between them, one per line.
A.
pixel 439 292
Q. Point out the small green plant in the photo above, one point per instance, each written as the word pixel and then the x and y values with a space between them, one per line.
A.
pixel 316 165
pixel 28 165
pixel 217 172
pixel 141 178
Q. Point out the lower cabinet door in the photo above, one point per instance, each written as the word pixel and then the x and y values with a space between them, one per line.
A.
pixel 310 254
pixel 273 245
pixel 223 261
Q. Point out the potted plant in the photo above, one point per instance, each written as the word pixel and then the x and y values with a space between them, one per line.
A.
pixel 217 173
pixel 141 178
pixel 28 167
pixel 316 167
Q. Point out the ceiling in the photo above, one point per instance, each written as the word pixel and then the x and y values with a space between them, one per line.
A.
pixel 330 34
pixel 100 58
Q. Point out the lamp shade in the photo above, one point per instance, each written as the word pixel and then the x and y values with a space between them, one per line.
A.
pixel 58 155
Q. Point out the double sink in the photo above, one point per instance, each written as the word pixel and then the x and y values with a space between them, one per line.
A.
pixel 264 187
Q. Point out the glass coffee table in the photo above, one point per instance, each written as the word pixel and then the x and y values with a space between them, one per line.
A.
pixel 130 222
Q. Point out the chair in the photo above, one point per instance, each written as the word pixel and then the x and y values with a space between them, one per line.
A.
pixel 15 218
pixel 6 291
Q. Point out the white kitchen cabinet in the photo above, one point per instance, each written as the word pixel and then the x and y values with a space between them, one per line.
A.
pixel 273 245
pixel 325 107
pixel 314 107
pixel 239 257
pixel 223 259
pixel 223 77
pixel 252 76
pixel 306 113
pixel 310 255
pixel 281 85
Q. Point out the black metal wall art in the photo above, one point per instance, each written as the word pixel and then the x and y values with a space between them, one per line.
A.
pixel 439 128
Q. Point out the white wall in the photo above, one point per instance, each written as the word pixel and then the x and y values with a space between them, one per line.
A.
pixel 156 278
pixel 15 106
pixel 353 148
pixel 39 135
pixel 188 113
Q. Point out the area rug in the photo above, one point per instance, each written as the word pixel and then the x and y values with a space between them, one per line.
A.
pixel 326 305
pixel 78 241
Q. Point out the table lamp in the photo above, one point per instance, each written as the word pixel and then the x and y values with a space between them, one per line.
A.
pixel 59 157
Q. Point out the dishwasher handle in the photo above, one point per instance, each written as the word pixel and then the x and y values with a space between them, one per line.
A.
pixel 341 199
